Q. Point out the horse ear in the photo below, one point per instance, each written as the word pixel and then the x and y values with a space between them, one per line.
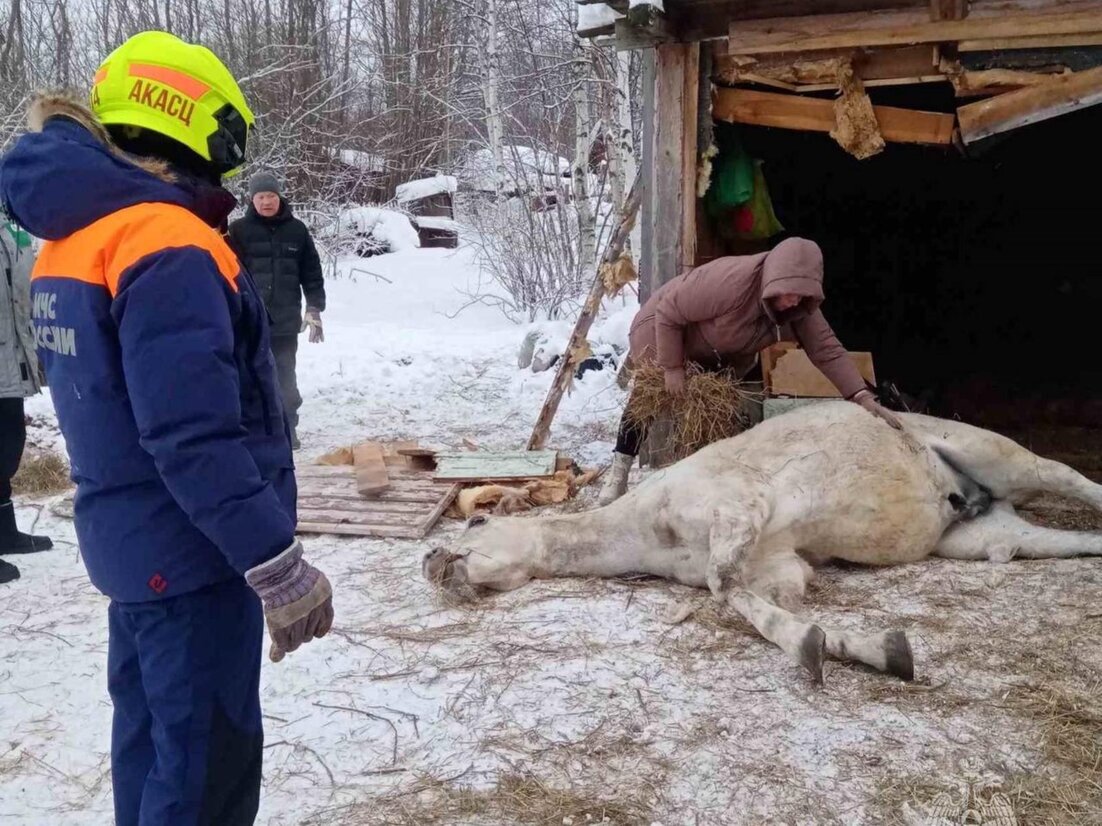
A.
pixel 477 519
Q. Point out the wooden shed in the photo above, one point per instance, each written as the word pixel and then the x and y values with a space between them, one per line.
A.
pixel 431 203
pixel 944 154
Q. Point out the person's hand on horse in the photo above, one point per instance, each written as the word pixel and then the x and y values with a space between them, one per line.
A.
pixel 868 401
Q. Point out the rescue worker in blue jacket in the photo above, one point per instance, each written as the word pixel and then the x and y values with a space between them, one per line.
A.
pixel 156 349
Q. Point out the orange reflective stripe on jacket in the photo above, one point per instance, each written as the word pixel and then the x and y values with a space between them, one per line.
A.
pixel 101 252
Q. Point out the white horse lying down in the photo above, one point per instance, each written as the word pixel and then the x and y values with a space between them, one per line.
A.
pixel 748 517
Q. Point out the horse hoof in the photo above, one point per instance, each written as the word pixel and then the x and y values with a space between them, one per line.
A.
pixel 812 653
pixel 900 660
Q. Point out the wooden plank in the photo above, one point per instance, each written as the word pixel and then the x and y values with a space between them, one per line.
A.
pixel 675 93
pixel 442 505
pixel 418 500
pixel 363 517
pixel 495 466
pixel 1084 38
pixel 648 254
pixel 370 468
pixel 981 82
pixel 409 509
pixel 690 101
pixel 712 19
pixel 348 486
pixel 669 161
pixel 821 67
pixel 1058 96
pixel 874 84
pixel 991 19
pixel 349 529
pixel 424 483
pixel 812 114
pixel 348 472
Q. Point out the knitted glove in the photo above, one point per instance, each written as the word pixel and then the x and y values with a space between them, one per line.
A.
pixel 312 319
pixel 298 601
pixel 868 401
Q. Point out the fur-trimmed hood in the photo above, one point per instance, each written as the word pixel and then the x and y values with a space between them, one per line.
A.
pixel 66 173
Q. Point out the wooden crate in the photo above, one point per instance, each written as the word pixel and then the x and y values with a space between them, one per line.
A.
pixel 328 502
pixel 788 371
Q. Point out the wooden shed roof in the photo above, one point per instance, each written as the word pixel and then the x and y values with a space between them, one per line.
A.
pixel 1031 59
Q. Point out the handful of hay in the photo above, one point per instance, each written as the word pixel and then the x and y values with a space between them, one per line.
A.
pixel 713 407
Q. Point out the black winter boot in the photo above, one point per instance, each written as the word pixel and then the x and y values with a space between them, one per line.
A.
pixel 14 542
pixel 8 572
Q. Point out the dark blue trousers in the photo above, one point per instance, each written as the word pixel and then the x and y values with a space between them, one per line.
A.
pixel 184 677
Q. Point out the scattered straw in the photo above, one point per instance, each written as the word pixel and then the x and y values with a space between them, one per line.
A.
pixel 714 406
pixel 618 274
pixel 515 799
pixel 40 474
pixel 1069 788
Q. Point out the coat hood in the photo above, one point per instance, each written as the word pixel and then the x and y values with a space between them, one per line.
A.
pixel 66 174
pixel 794 266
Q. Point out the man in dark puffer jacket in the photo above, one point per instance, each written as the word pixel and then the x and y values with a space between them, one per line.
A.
pixel 278 251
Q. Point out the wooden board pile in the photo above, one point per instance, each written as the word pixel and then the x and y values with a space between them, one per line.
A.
pixel 399 490
pixel 372 489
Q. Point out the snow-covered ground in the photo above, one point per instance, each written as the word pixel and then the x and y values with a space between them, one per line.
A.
pixel 565 702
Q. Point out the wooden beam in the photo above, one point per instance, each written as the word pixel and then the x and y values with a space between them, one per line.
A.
pixel 647 252
pixel 564 374
pixel 630 36
pixel 1085 38
pixel 370 469
pixel 822 67
pixel 1058 96
pixel 690 107
pixel 983 82
pixel 675 95
pixel 711 19
pixel 815 115
pixel 987 20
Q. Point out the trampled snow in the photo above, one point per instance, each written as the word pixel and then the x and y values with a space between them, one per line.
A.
pixel 416 712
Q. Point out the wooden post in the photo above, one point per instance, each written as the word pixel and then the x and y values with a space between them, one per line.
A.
pixel 564 374
pixel 646 182
pixel 671 205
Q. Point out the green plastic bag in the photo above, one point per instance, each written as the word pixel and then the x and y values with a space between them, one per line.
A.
pixel 756 220
pixel 21 236
pixel 732 182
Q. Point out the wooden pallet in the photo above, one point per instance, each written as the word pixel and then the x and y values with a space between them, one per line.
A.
pixel 328 502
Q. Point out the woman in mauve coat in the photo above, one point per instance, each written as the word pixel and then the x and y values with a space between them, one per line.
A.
pixel 721 315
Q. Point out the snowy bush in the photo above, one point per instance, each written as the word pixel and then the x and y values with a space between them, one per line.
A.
pixel 530 248
pixel 370 230
pixel 524 171
pixel 531 255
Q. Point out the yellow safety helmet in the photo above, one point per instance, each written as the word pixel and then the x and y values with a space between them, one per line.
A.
pixel 158 82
